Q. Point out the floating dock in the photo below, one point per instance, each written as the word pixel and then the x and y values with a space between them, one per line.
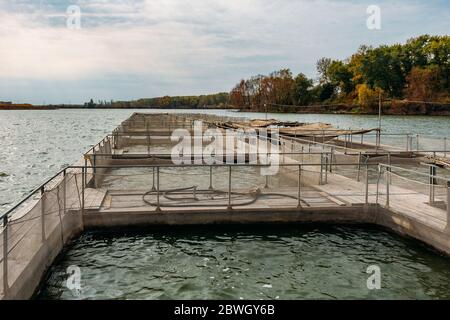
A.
pixel 193 169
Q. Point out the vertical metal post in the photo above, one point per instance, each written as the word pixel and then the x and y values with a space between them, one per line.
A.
pixel 378 184
pixel 332 158
pixel 148 138
pixel 326 168
pixel 367 184
pixel 153 179
pixel 432 183
pixel 448 204
pixel 210 178
pixel 351 138
pixel 379 110
pixel 299 185
pixel 84 172
pixel 267 177
pixel 321 169
pixel 5 255
pixel 389 163
pixel 94 170
pixel 64 191
pixel 388 177
pixel 83 184
pixel 43 214
pixel 359 167
pixel 417 142
pixel 158 208
pixel 407 142
pixel 378 143
pixel 229 187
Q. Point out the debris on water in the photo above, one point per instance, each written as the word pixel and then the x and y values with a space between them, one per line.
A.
pixel 3 174
pixel 267 286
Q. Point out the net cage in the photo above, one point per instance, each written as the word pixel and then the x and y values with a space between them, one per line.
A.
pixel 38 226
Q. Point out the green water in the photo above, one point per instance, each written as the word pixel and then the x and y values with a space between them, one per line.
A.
pixel 296 262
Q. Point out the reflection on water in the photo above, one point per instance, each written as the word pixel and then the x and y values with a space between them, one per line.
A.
pixel 297 262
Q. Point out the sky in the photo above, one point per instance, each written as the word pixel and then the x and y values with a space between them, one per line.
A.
pixel 130 49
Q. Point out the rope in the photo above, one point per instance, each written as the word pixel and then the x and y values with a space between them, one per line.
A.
pixel 193 201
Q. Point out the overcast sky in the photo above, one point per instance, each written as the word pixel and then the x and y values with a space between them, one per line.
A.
pixel 128 49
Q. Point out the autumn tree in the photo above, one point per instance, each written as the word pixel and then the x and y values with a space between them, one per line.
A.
pixel 422 84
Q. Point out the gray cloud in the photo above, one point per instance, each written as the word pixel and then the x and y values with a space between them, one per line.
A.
pixel 147 48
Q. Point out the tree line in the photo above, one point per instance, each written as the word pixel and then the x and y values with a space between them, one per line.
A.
pixel 416 71
pixel 218 100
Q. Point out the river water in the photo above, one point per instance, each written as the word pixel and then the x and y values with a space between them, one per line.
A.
pixel 296 262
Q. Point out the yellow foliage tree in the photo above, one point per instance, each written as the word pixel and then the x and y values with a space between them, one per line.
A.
pixel 368 97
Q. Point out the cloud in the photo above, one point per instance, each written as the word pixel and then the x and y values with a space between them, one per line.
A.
pixel 190 46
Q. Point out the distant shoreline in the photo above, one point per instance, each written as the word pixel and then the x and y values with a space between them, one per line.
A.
pixel 343 109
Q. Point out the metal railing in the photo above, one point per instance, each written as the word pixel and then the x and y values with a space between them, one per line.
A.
pixel 432 178
pixel 298 171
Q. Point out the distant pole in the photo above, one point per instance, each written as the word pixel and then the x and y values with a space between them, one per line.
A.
pixel 379 110
pixel 265 106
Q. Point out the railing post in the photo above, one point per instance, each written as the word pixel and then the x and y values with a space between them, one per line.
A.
pixel 367 184
pixel 210 178
pixel 378 184
pixel 94 170
pixel 333 149
pixel 388 177
pixel 229 188
pixel 43 214
pixel 359 167
pixel 84 173
pixel 321 170
pixel 299 185
pixel 267 177
pixel 326 168
pixel 83 185
pixel 448 204
pixel 153 179
pixel 158 208
pixel 432 183
pixel 389 163
pixel 5 255
pixel 148 138
pixel 64 191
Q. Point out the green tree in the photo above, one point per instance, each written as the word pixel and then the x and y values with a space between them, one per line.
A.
pixel 340 76
pixel 301 94
pixel 382 67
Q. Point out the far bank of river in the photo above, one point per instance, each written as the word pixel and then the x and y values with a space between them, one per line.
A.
pixel 389 108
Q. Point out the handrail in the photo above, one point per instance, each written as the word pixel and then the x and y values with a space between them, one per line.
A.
pixel 216 165
pixel 47 181
pixel 42 185
pixel 217 154
pixel 415 172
